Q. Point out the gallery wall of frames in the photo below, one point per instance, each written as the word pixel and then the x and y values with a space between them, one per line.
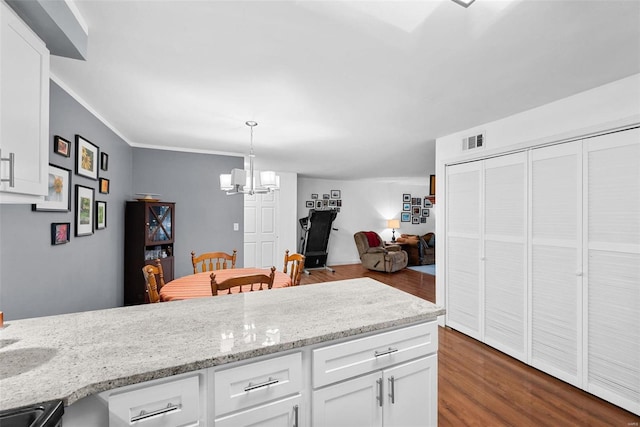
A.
pixel 89 213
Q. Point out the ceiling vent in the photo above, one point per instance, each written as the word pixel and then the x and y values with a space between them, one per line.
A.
pixel 473 142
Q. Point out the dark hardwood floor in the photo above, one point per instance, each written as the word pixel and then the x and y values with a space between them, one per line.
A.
pixel 480 386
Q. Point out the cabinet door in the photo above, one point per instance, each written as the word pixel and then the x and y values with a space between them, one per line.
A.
pixel 354 403
pixel 411 394
pixel 611 255
pixel 159 222
pixel 24 108
pixel 462 275
pixel 555 300
pixel 283 413
pixel 505 254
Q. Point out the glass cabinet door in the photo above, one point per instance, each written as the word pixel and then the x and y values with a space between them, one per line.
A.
pixel 159 224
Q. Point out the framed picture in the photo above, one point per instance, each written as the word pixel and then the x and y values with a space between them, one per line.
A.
pixel 84 210
pixel 101 215
pixel 335 194
pixel 406 198
pixel 423 220
pixel 339 202
pixel 86 158
pixel 415 220
pixel 318 204
pixel 58 196
pixel 325 203
pixel 415 201
pixel 416 210
pixel 333 203
pixel 104 186
pixel 325 197
pixel 432 185
pixel 427 203
pixel 61 146
pixel 314 196
pixel 405 217
pixel 406 206
pixel 425 212
pixel 310 203
pixel 104 161
pixel 60 233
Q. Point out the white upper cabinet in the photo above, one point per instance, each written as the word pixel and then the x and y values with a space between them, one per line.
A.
pixel 24 111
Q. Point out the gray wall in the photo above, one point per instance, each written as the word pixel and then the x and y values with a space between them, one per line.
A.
pixel 204 214
pixel 37 279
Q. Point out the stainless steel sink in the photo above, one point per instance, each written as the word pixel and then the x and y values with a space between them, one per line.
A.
pixel 48 414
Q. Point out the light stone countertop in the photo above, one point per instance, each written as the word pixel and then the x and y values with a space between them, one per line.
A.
pixel 71 356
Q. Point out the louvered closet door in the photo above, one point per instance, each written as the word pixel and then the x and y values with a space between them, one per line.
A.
pixel 555 298
pixel 505 254
pixel 612 257
pixel 463 248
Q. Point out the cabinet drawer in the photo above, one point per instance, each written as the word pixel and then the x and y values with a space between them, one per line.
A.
pixel 167 404
pixel 282 413
pixel 349 359
pixel 257 383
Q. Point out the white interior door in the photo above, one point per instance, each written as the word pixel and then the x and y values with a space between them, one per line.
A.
pixel 505 254
pixel 463 251
pixel 555 261
pixel 260 230
pixel 612 259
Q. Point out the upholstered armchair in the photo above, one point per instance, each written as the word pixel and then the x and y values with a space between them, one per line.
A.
pixel 375 255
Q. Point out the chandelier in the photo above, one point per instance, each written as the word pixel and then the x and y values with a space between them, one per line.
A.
pixel 241 181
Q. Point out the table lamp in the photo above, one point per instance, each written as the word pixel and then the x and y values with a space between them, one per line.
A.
pixel 393 224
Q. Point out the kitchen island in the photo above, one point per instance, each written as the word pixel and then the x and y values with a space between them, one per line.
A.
pixel 73 356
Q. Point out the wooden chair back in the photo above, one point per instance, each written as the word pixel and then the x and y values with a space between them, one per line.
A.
pixel 154 280
pixel 211 261
pixel 240 281
pixel 293 266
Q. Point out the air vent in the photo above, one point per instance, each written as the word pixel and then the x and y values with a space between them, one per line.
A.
pixel 473 142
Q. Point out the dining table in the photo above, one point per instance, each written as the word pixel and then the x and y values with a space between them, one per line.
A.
pixel 198 285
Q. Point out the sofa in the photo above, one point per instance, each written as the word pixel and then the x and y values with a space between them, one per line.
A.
pixel 375 255
pixel 421 250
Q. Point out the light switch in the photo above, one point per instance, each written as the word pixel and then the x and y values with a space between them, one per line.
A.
pixel 236 226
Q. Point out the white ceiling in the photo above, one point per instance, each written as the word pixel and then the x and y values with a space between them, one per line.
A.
pixel 342 89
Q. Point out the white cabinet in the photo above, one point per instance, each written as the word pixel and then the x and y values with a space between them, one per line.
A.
pixel 487 251
pixel 543 259
pixel 390 390
pixel 24 111
pixel 611 259
pixel 162 403
pixel 268 393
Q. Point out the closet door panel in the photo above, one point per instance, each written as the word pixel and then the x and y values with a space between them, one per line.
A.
pixel 612 254
pixel 505 253
pixel 462 274
pixel 555 264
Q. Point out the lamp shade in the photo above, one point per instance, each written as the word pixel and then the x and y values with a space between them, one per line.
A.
pixel 393 223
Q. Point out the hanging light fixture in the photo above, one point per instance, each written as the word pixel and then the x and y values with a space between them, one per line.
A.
pixel 241 181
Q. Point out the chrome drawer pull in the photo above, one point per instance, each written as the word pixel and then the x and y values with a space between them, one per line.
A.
pixel 12 162
pixel 384 353
pixel 144 414
pixel 267 383
pixel 295 415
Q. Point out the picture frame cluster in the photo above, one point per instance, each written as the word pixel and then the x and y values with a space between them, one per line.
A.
pixel 331 200
pixel 415 210
pixel 89 214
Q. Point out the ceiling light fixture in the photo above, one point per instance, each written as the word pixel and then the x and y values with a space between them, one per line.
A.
pixel 241 181
pixel 465 3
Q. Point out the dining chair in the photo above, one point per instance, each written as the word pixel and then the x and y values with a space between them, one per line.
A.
pixel 240 281
pixel 154 280
pixel 211 261
pixel 293 266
